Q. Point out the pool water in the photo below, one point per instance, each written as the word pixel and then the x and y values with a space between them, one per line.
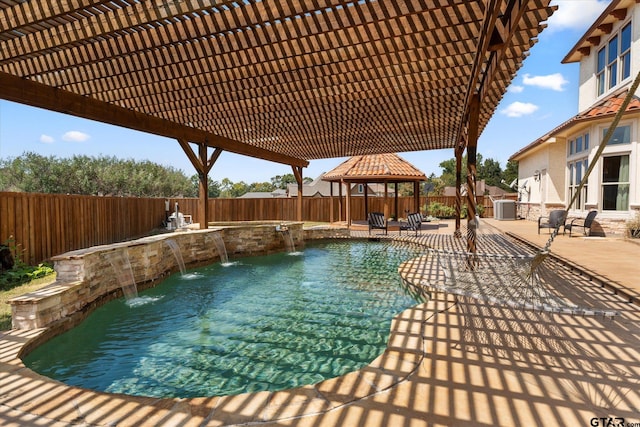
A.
pixel 265 323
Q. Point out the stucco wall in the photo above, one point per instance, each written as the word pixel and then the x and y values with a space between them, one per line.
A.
pixel 588 90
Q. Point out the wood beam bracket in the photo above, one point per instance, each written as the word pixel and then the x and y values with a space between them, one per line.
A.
pixel 201 162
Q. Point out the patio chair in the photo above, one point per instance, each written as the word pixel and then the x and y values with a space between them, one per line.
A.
pixel 414 222
pixel 584 223
pixel 376 220
pixel 555 220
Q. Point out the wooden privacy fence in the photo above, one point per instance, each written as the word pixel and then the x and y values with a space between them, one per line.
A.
pixel 40 226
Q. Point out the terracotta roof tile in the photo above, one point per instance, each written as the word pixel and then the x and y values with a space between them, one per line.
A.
pixel 608 107
pixel 388 167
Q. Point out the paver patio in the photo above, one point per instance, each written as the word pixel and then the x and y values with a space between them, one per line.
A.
pixel 450 361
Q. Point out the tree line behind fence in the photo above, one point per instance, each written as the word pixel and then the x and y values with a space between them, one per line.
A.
pixel 39 226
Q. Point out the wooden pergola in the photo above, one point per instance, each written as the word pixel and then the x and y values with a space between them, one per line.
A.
pixel 282 80
pixel 375 168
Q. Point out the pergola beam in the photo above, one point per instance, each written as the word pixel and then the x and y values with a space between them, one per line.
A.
pixel 35 94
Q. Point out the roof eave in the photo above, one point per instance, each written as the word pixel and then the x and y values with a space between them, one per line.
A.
pixel 574 54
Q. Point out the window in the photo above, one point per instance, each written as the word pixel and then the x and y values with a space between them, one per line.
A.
pixel 621 135
pixel 577 170
pixel 579 144
pixel 613 64
pixel 615 183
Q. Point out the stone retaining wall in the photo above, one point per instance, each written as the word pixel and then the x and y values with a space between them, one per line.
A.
pixel 87 275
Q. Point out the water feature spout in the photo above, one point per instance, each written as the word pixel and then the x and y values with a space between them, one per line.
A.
pixel 222 250
pixel 173 245
pixel 124 274
pixel 288 238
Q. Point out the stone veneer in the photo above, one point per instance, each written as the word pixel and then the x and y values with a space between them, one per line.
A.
pixel 85 278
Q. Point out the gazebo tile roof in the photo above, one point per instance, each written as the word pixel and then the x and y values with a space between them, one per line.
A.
pixel 388 167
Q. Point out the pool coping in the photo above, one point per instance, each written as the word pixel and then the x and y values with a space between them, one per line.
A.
pixel 433 377
pixel 24 391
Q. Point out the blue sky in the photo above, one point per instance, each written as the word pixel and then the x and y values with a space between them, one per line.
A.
pixel 543 94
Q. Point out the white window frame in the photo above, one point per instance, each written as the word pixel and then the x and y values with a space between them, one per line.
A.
pixel 604 184
pixel 613 61
pixel 584 141
pixel 574 179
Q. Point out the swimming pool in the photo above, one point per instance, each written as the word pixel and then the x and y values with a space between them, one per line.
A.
pixel 265 323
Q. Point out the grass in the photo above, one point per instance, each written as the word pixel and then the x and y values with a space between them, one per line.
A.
pixel 5 296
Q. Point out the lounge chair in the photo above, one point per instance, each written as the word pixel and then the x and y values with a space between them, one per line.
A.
pixel 414 222
pixel 376 221
pixel 584 223
pixel 556 219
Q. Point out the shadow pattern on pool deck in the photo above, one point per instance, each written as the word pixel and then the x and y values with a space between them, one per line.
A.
pixel 450 361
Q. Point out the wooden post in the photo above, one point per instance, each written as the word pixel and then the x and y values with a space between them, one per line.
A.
pixel 203 189
pixel 458 154
pixel 385 200
pixel 203 165
pixel 472 145
pixel 331 201
pixel 348 207
pixel 340 202
pixel 297 172
pixel 395 200
pixel 366 201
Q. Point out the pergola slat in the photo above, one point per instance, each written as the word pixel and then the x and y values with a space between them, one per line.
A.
pixel 300 79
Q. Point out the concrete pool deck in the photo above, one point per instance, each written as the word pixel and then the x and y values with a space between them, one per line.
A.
pixel 449 362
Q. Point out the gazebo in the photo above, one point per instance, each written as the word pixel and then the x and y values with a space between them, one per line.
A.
pixel 375 168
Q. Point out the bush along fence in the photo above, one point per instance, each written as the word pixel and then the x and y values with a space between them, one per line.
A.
pixel 40 226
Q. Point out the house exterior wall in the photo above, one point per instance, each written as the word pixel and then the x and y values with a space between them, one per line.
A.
pixel 558 159
pixel 587 93
pixel 541 180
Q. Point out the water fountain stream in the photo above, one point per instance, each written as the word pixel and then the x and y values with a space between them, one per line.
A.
pixel 222 250
pixel 124 274
pixel 288 240
pixel 175 248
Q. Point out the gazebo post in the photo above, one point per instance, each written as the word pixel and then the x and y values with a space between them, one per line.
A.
pixel 330 201
pixel 348 207
pixel 366 200
pixel 340 201
pixel 395 200
pixel 385 200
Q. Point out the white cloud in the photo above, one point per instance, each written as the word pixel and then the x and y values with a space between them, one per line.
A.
pixel 516 89
pixel 46 139
pixel 75 136
pixel 551 81
pixel 519 109
pixel 575 14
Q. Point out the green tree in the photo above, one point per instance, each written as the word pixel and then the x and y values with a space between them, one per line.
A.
pixel 32 172
pixel 262 187
pixel 281 181
pixel 448 175
pixel 491 172
pixel 213 187
pixel 510 173
pixel 435 185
